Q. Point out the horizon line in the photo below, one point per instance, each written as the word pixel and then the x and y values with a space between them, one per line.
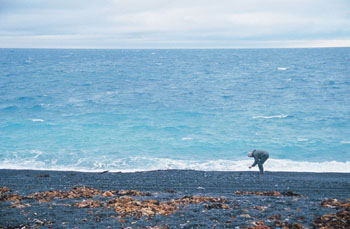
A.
pixel 174 48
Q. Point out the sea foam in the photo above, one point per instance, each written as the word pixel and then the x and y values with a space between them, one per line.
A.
pixel 135 164
pixel 271 116
pixel 37 120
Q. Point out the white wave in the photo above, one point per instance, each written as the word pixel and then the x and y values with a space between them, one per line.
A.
pixel 134 164
pixel 186 139
pixel 282 69
pixel 272 116
pixel 242 165
pixel 37 120
pixel 345 142
pixel 36 153
pixel 305 166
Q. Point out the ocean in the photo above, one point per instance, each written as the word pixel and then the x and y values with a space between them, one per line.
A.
pixel 138 110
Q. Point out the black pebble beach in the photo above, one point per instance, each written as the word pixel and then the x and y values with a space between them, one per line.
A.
pixel 190 199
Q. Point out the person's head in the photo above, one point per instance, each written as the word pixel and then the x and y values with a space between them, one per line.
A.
pixel 250 154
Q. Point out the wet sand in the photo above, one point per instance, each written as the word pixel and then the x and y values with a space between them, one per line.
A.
pixel 172 199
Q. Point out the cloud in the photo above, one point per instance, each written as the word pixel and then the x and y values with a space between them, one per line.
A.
pixel 162 23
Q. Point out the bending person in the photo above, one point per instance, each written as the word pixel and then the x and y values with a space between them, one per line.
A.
pixel 260 156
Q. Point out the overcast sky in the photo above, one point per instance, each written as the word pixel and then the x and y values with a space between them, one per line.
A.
pixel 174 24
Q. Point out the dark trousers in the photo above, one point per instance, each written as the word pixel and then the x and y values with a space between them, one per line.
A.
pixel 261 162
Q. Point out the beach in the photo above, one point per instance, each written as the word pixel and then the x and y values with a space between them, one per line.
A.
pixel 173 199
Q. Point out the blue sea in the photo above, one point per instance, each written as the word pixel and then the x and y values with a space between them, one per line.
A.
pixel 138 110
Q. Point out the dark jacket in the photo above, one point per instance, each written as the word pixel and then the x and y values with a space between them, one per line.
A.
pixel 260 157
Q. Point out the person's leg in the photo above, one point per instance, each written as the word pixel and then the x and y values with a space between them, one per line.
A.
pixel 263 159
pixel 261 162
pixel 261 168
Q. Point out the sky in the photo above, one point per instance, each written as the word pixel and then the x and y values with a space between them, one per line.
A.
pixel 174 24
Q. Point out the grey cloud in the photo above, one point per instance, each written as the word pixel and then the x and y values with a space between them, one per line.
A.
pixel 134 22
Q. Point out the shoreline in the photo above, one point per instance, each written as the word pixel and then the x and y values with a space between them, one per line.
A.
pixel 200 198
pixel 253 170
pixel 170 169
pixel 142 164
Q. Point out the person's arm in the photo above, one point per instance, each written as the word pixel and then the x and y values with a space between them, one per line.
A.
pixel 255 162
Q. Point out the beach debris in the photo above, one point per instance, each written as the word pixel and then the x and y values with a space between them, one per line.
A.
pixel 217 206
pixel 18 204
pixel 121 221
pixel 290 193
pixel 334 203
pixel 89 204
pixel 3 190
pixel 269 193
pixel 199 199
pixel 132 193
pixel 42 175
pixel 128 206
pixel 261 208
pixel 286 225
pixel 10 197
pixel 108 194
pixel 7 195
pixel 245 216
pixel 259 225
pixel 135 205
pixel 340 219
pixel 275 217
pixel 76 192
pixel 158 227
pixel 278 223
pixel 38 221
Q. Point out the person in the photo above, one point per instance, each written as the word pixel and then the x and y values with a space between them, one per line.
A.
pixel 260 156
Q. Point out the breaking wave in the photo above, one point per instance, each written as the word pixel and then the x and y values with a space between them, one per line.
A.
pixel 272 116
pixel 37 120
pixel 134 164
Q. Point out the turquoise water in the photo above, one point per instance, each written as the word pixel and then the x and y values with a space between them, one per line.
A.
pixel 128 110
